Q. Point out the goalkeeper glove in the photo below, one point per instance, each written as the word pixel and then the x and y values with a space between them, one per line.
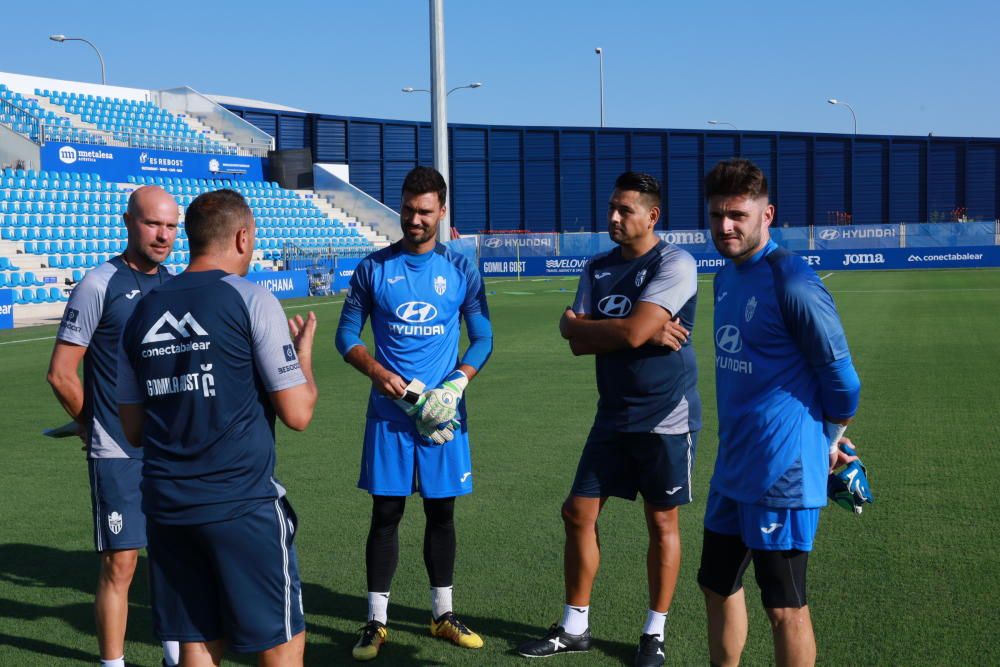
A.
pixel 439 434
pixel 849 488
pixel 412 403
pixel 413 399
pixel 441 403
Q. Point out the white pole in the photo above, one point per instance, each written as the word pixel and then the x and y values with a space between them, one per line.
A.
pixel 600 55
pixel 439 107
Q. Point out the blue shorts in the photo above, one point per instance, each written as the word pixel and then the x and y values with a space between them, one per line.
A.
pixel 624 464
pixel 116 504
pixel 763 528
pixel 236 580
pixel 395 461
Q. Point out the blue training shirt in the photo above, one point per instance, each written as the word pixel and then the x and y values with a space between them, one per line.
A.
pixel 98 308
pixel 415 303
pixel 650 389
pixel 779 348
pixel 202 353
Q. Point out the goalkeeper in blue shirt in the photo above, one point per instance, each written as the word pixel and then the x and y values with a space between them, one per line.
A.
pixel 415 292
pixel 786 389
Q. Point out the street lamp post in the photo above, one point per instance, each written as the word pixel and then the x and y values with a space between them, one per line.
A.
pixel 851 109
pixel 410 89
pixel 64 38
pixel 723 122
pixel 600 56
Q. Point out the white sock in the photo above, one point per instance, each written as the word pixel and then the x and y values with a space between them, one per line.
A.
pixel 655 621
pixel 117 662
pixel 378 607
pixel 575 620
pixel 441 601
pixel 172 653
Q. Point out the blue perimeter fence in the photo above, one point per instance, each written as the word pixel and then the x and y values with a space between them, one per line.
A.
pixel 897 246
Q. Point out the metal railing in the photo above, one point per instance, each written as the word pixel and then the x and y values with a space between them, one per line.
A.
pixel 139 138
pixel 16 114
pixel 187 101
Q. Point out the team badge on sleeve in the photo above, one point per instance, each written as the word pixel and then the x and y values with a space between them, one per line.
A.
pixel 71 314
pixel 440 285
pixel 289 352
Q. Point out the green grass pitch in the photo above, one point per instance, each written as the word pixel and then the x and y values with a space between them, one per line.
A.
pixel 910 582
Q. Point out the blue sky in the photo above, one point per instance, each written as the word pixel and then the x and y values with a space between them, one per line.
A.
pixel 906 67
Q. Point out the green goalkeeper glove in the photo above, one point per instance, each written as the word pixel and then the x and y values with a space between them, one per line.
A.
pixel 441 404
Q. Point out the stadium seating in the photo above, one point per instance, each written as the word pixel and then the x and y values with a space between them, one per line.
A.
pixel 134 123
pixel 65 224
pixel 98 120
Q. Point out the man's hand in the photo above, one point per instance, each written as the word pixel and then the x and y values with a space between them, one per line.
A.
pixel 388 383
pixel 567 316
pixel 441 403
pixel 672 335
pixel 303 333
pixel 849 488
pixel 841 455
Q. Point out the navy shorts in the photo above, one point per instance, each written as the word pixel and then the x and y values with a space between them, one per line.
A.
pixel 236 580
pixel 116 502
pixel 396 461
pixel 621 464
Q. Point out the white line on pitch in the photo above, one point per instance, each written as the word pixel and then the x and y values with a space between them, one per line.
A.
pixel 310 305
pixel 26 340
pixel 906 291
pixel 826 276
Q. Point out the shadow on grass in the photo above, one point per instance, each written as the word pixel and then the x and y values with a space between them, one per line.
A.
pixel 322 602
pixel 24 567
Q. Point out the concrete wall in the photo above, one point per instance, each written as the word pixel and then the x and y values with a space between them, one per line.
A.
pixel 14 147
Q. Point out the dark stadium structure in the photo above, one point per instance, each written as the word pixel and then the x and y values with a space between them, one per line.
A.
pixel 544 179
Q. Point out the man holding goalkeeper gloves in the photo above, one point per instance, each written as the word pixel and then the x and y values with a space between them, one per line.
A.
pixel 416 437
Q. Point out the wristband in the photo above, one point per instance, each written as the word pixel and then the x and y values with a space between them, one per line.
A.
pixel 833 432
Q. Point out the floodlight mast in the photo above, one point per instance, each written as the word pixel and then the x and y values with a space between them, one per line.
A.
pixel 439 108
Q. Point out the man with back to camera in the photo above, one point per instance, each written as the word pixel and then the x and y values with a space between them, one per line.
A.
pixel 91 326
pixel 648 415
pixel 786 388
pixel 205 365
pixel 415 291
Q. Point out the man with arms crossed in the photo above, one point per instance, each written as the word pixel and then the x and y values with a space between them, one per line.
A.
pixel 786 388
pixel 91 326
pixel 415 291
pixel 205 365
pixel 648 415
